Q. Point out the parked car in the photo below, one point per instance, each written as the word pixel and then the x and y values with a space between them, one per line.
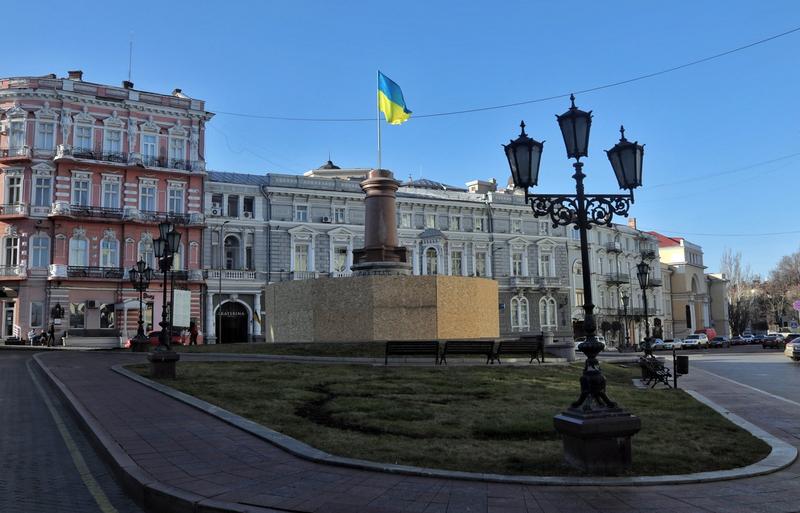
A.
pixel 675 343
pixel 657 344
pixel 748 338
pixel 600 338
pixel 153 338
pixel 773 341
pixel 792 349
pixel 720 342
pixel 696 341
pixel 737 340
pixel 790 336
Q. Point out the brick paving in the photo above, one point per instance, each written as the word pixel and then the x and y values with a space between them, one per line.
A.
pixel 192 452
pixel 38 474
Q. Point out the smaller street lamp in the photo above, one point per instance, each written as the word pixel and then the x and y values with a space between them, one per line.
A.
pixel 643 274
pixel 140 277
pixel 624 298
pixel 163 358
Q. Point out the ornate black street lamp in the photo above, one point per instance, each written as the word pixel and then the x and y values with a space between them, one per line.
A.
pixel 624 298
pixel 163 359
pixel 140 277
pixel 643 274
pixel 582 211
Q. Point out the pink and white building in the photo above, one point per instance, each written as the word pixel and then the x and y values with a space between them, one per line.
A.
pixel 88 171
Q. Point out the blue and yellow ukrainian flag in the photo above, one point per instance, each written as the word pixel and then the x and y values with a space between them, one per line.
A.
pixel 391 102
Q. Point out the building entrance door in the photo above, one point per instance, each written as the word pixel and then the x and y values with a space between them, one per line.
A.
pixel 8 320
pixel 232 326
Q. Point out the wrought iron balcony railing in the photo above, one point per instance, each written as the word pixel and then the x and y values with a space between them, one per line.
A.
pixel 20 152
pixel 108 273
pixel 13 209
pixel 618 278
pixel 230 274
pixel 101 212
pixel 14 271
pixel 613 247
pixel 65 151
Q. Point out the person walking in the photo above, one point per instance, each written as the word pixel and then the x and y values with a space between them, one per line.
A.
pixel 192 333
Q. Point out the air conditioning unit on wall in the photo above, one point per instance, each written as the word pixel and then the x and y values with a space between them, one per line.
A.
pixel 326 219
pixel 216 211
pixel 247 215
pixel 90 304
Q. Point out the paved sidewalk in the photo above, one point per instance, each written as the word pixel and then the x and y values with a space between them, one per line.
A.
pixel 175 455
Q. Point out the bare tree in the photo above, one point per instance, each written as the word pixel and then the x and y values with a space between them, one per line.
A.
pixel 740 282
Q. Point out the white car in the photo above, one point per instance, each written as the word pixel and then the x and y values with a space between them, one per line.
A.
pixel 792 349
pixel 696 341
pixel 675 343
pixel 600 338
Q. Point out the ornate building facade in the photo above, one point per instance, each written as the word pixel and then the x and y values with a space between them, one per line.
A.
pixel 89 170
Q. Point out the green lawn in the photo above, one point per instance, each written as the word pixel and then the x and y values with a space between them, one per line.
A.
pixel 495 419
pixel 338 349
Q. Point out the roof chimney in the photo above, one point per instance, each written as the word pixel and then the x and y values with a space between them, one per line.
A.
pixel 632 223
pixel 75 75
pixel 127 84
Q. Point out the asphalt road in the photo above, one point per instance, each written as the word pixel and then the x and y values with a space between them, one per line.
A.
pixel 48 464
pixel 765 369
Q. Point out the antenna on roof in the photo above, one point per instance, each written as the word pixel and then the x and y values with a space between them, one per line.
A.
pixel 130 54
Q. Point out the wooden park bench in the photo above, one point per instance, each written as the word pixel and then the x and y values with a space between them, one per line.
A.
pixel 653 371
pixel 527 346
pixel 412 348
pixel 468 347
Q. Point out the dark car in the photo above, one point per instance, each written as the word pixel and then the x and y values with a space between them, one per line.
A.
pixel 774 341
pixel 153 337
pixel 720 342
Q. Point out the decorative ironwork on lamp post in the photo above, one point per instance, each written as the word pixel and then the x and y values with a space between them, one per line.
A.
pixel 581 210
pixel 165 248
pixel 140 277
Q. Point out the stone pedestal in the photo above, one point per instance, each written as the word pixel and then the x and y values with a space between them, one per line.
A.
pixel 597 441
pixel 162 364
pixel 140 344
pixel 381 255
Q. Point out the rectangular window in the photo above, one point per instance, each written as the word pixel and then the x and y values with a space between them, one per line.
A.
pixel 248 258
pixel 579 298
pixel 405 220
pixel 83 138
pixel 301 213
pixel 216 200
pixel 516 226
pixel 480 224
pixel 248 207
pixel 45 136
pixel 177 152
pixel 340 259
pixel 430 220
pixel 16 135
pixel 40 251
pixel 110 194
pixel 455 224
pixel 339 214
pixel 150 149
pixel 175 200
pixel 516 264
pixel 37 314
pixel 42 196
pixel 14 190
pixel 112 143
pixel 480 264
pixel 544 227
pixel 574 234
pixel 301 257
pixel 80 191
pixel 12 252
pixel 545 262
pixel 456 262
pixel 233 205
pixel 77 315
pixel 147 197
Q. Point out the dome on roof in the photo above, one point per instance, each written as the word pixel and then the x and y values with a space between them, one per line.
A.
pixel 329 165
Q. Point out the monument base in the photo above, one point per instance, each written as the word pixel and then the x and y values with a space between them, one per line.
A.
pixel 162 364
pixel 597 441
pixel 379 308
pixel 382 269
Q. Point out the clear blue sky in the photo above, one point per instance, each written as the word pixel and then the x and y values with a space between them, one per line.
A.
pixel 318 59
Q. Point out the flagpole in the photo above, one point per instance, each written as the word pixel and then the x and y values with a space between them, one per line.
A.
pixel 378 114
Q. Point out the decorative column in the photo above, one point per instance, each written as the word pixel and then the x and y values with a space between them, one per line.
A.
pixel 211 328
pixel 381 254
pixel 258 317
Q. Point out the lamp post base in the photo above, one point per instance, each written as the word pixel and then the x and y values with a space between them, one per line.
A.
pixel 162 364
pixel 597 441
pixel 140 344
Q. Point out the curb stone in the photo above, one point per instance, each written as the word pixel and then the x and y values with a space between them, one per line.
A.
pixel 781 456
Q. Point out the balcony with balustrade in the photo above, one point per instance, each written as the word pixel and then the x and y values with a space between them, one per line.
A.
pixel 230 274
pixel 613 247
pixel 305 275
pixel 537 282
pixel 95 272
pixel 15 155
pixel 617 278
pixel 65 152
pixel 13 272
pixel 65 209
pixel 13 210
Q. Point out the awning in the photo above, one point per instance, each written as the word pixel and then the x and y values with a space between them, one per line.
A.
pixel 8 292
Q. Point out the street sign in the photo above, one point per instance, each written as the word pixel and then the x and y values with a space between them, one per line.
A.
pixel 796 305
pixel 793 325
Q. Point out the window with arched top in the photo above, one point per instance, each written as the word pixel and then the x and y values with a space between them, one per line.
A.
pixel 548 313
pixel 232 252
pixel 79 251
pixel 520 320
pixel 431 261
pixel 178 259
